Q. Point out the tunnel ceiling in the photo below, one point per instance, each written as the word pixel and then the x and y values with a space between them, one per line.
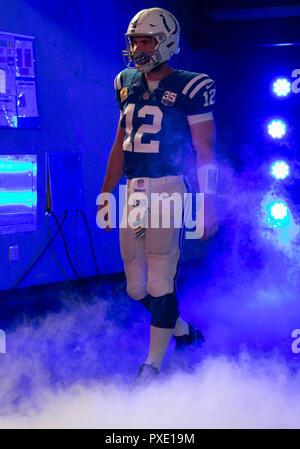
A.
pixel 220 24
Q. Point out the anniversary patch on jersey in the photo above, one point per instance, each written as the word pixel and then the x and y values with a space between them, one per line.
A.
pixel 168 98
pixel 124 93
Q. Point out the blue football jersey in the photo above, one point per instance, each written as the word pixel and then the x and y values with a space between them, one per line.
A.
pixel 156 123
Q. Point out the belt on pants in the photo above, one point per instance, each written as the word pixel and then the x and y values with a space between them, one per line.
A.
pixel 157 181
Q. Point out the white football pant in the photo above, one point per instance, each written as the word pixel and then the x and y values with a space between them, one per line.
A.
pixel 150 261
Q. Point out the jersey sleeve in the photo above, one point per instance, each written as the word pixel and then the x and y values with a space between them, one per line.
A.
pixel 118 87
pixel 199 98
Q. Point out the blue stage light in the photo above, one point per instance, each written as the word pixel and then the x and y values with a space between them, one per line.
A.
pixel 282 87
pixel 280 170
pixel 277 129
pixel 278 214
pixel 279 211
pixel 278 218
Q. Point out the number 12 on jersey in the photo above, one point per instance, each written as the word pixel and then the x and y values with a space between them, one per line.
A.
pixel 154 128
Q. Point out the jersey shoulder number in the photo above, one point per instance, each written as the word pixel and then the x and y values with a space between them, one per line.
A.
pixel 198 92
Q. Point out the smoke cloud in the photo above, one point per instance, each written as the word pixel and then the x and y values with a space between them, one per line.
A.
pixel 76 367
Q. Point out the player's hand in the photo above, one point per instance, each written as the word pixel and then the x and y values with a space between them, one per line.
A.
pixel 211 224
pixel 101 206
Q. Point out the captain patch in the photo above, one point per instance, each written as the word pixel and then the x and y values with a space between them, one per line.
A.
pixel 124 93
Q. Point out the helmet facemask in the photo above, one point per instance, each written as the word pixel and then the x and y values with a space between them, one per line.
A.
pixel 152 57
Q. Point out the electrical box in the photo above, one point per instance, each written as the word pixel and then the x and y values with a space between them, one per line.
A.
pixel 18 102
pixel 63 182
pixel 18 193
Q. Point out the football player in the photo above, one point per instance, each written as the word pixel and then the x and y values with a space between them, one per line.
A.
pixel 164 112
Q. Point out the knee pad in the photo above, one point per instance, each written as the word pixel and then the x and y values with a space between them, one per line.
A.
pixel 164 311
pixel 159 287
pixel 161 273
pixel 136 291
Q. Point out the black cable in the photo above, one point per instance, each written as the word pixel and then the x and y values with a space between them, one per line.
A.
pixel 32 264
pixel 65 243
pixel 91 243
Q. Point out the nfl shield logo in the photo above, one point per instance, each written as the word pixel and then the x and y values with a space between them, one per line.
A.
pixel 140 183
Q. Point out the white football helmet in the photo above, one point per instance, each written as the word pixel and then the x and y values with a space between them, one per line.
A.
pixel 163 27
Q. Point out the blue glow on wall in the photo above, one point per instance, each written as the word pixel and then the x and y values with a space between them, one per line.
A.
pixel 16 167
pixel 22 198
pixel 18 193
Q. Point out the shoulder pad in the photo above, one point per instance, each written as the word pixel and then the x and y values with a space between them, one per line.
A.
pixel 118 81
pixel 194 83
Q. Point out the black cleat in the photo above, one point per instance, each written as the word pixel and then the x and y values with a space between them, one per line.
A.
pixel 194 338
pixel 147 374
